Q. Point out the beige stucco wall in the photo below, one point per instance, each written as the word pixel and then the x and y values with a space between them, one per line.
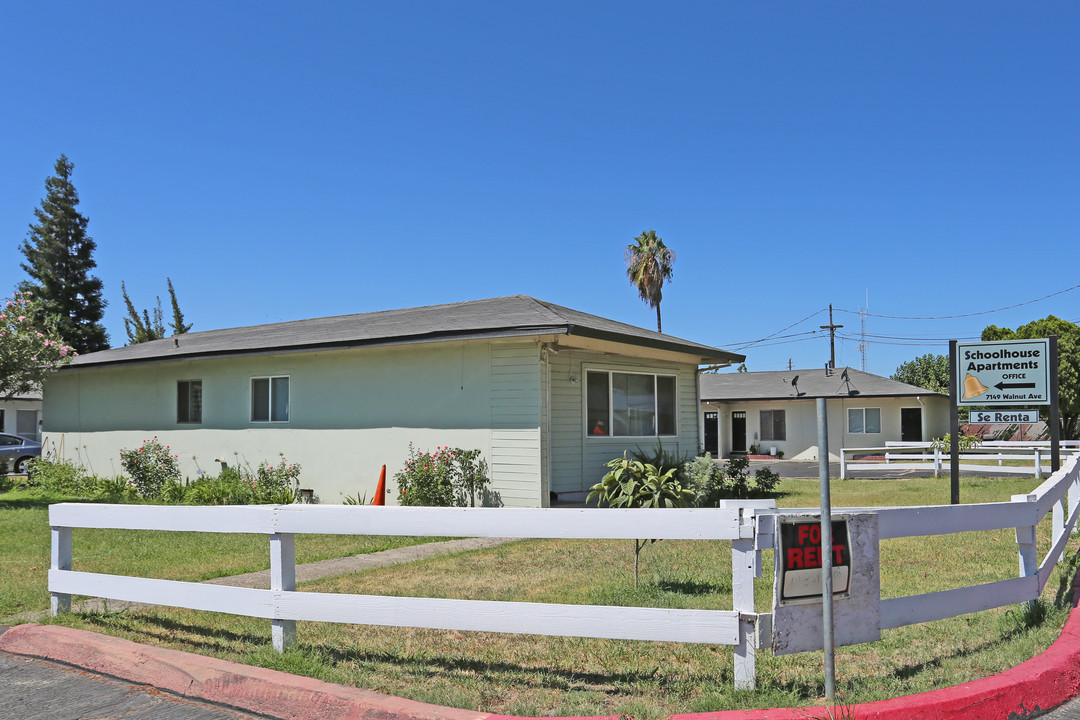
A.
pixel 801 442
pixel 352 411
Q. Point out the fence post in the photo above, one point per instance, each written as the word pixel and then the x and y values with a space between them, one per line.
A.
pixel 61 560
pixel 843 464
pixel 283 578
pixel 937 461
pixel 742 591
pixel 1025 541
pixel 1038 464
pixel 1058 523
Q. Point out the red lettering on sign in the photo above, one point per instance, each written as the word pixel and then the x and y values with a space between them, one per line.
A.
pixel 794 558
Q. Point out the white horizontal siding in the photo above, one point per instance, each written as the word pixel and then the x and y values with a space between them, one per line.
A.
pixel 515 465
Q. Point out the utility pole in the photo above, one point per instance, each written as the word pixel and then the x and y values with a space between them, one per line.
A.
pixel 831 327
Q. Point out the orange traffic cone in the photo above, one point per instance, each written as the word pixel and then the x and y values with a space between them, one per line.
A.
pixel 380 490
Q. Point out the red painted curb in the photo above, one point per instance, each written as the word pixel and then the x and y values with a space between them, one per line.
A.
pixel 1040 683
pixel 255 689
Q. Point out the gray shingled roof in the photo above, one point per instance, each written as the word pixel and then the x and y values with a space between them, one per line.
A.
pixel 515 316
pixel 776 385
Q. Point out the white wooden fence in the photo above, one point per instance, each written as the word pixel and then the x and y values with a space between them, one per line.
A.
pixel 750 526
pixel 922 456
pixel 284 605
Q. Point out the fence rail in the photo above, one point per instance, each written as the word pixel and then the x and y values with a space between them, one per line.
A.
pixel 750 527
pixel 914 456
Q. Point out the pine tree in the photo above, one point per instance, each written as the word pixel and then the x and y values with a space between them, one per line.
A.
pixel 59 258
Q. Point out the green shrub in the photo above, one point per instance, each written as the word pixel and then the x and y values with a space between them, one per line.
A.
pixel 634 484
pixel 711 483
pixel 267 484
pixel 60 476
pixel 967 442
pixel 444 478
pixel 150 467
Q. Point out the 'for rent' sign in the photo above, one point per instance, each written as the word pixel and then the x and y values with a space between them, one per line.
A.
pixel 801 559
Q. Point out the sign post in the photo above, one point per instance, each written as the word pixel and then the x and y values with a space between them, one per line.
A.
pixel 826 548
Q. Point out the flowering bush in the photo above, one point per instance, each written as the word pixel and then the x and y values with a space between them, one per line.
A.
pixel 446 477
pixel 277 484
pixel 426 478
pixel 27 351
pixel 150 466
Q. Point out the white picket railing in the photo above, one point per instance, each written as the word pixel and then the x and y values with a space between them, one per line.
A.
pixel 749 525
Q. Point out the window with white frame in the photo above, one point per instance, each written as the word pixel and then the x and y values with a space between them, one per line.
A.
pixel 189 401
pixel 621 404
pixel 773 424
pixel 863 420
pixel 270 399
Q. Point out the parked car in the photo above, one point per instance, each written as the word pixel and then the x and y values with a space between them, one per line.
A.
pixel 18 452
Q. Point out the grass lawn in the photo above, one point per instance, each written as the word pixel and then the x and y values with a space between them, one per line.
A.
pixel 24 564
pixel 535 675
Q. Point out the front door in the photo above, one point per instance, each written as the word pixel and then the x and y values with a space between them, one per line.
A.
pixel 911 424
pixel 712 434
pixel 738 433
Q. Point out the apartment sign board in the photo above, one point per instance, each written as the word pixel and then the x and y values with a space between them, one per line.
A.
pixel 1003 372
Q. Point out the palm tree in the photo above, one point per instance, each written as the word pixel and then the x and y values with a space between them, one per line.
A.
pixel 648 265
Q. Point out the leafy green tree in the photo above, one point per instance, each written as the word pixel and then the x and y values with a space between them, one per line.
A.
pixel 636 484
pixel 648 265
pixel 1068 363
pixel 143 327
pixel 930 372
pixel 59 258
pixel 28 350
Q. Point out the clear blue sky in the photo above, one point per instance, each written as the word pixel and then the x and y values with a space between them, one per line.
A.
pixel 284 160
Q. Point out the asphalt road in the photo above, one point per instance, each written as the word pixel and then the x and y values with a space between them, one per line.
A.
pixel 42 690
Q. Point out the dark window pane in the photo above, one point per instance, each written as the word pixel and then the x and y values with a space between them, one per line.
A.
pixel 665 405
pixel 596 413
pixel 182 409
pixel 260 399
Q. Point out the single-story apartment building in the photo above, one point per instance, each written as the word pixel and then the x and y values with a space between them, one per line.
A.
pixel 547 393
pixel 776 412
pixel 21 415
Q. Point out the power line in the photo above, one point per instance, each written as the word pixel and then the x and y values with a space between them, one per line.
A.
pixel 965 315
pixel 741 346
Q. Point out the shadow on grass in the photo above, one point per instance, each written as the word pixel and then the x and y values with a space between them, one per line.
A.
pixel 422 667
pixel 154 629
pixel 692 587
